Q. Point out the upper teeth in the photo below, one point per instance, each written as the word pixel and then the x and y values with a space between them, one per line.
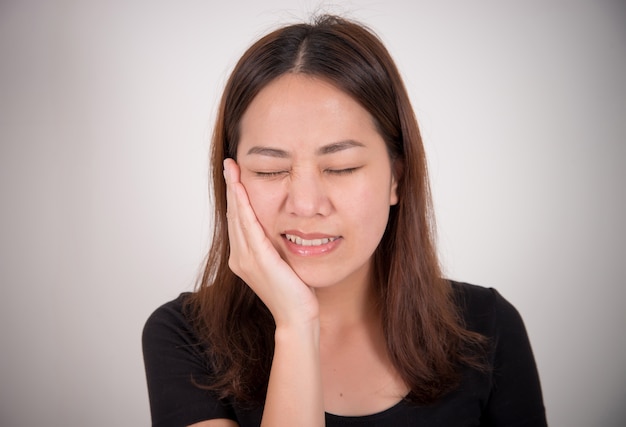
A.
pixel 304 242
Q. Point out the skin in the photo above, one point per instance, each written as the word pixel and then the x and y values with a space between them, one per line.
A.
pixel 311 165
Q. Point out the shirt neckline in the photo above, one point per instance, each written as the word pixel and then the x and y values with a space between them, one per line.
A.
pixel 382 414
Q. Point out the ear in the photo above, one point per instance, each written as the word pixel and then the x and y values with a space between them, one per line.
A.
pixel 396 173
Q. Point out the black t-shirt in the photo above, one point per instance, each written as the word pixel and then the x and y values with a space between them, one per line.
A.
pixel 508 394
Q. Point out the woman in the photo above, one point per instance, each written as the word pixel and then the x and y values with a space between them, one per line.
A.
pixel 322 301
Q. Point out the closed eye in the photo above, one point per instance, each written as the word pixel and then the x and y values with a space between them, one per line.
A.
pixel 346 171
pixel 270 174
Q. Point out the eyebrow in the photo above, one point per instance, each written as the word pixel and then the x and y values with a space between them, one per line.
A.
pixel 324 150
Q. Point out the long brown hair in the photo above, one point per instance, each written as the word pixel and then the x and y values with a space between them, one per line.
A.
pixel 425 337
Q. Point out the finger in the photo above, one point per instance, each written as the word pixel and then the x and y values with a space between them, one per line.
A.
pixel 243 220
pixel 235 236
pixel 231 176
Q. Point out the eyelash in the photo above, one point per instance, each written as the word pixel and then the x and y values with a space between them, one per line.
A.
pixel 346 171
pixel 270 174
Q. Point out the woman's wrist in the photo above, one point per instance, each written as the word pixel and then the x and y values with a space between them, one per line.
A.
pixel 295 330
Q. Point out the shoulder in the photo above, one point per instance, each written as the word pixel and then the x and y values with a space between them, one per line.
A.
pixel 169 338
pixel 485 310
pixel 169 318
pixel 514 396
pixel 475 298
pixel 170 311
pixel 176 364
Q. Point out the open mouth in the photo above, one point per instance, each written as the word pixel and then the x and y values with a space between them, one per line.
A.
pixel 309 242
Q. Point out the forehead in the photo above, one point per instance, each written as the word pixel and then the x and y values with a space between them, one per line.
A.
pixel 300 111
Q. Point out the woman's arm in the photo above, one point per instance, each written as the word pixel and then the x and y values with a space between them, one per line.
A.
pixel 215 423
pixel 294 391
pixel 294 395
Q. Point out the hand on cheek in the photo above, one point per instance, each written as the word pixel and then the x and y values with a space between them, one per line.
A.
pixel 256 261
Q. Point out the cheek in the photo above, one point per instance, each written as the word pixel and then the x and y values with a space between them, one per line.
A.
pixel 375 192
pixel 368 205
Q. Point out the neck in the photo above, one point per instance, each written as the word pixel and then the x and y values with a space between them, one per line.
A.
pixel 348 304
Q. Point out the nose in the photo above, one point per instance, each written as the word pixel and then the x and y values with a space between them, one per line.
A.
pixel 307 194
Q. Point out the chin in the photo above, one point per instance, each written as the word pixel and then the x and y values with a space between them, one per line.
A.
pixel 320 277
pixel 315 277
pixel 316 281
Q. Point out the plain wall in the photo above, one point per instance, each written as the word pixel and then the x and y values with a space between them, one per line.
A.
pixel 106 111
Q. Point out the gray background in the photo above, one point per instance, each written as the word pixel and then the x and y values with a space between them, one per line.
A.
pixel 106 110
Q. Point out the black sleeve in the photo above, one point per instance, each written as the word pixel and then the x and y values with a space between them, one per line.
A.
pixel 515 399
pixel 173 359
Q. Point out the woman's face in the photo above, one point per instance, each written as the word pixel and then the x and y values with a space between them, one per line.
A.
pixel 318 176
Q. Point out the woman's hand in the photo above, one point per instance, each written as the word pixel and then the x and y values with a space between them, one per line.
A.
pixel 294 392
pixel 256 261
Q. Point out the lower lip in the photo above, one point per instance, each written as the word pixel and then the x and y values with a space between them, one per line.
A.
pixel 311 250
